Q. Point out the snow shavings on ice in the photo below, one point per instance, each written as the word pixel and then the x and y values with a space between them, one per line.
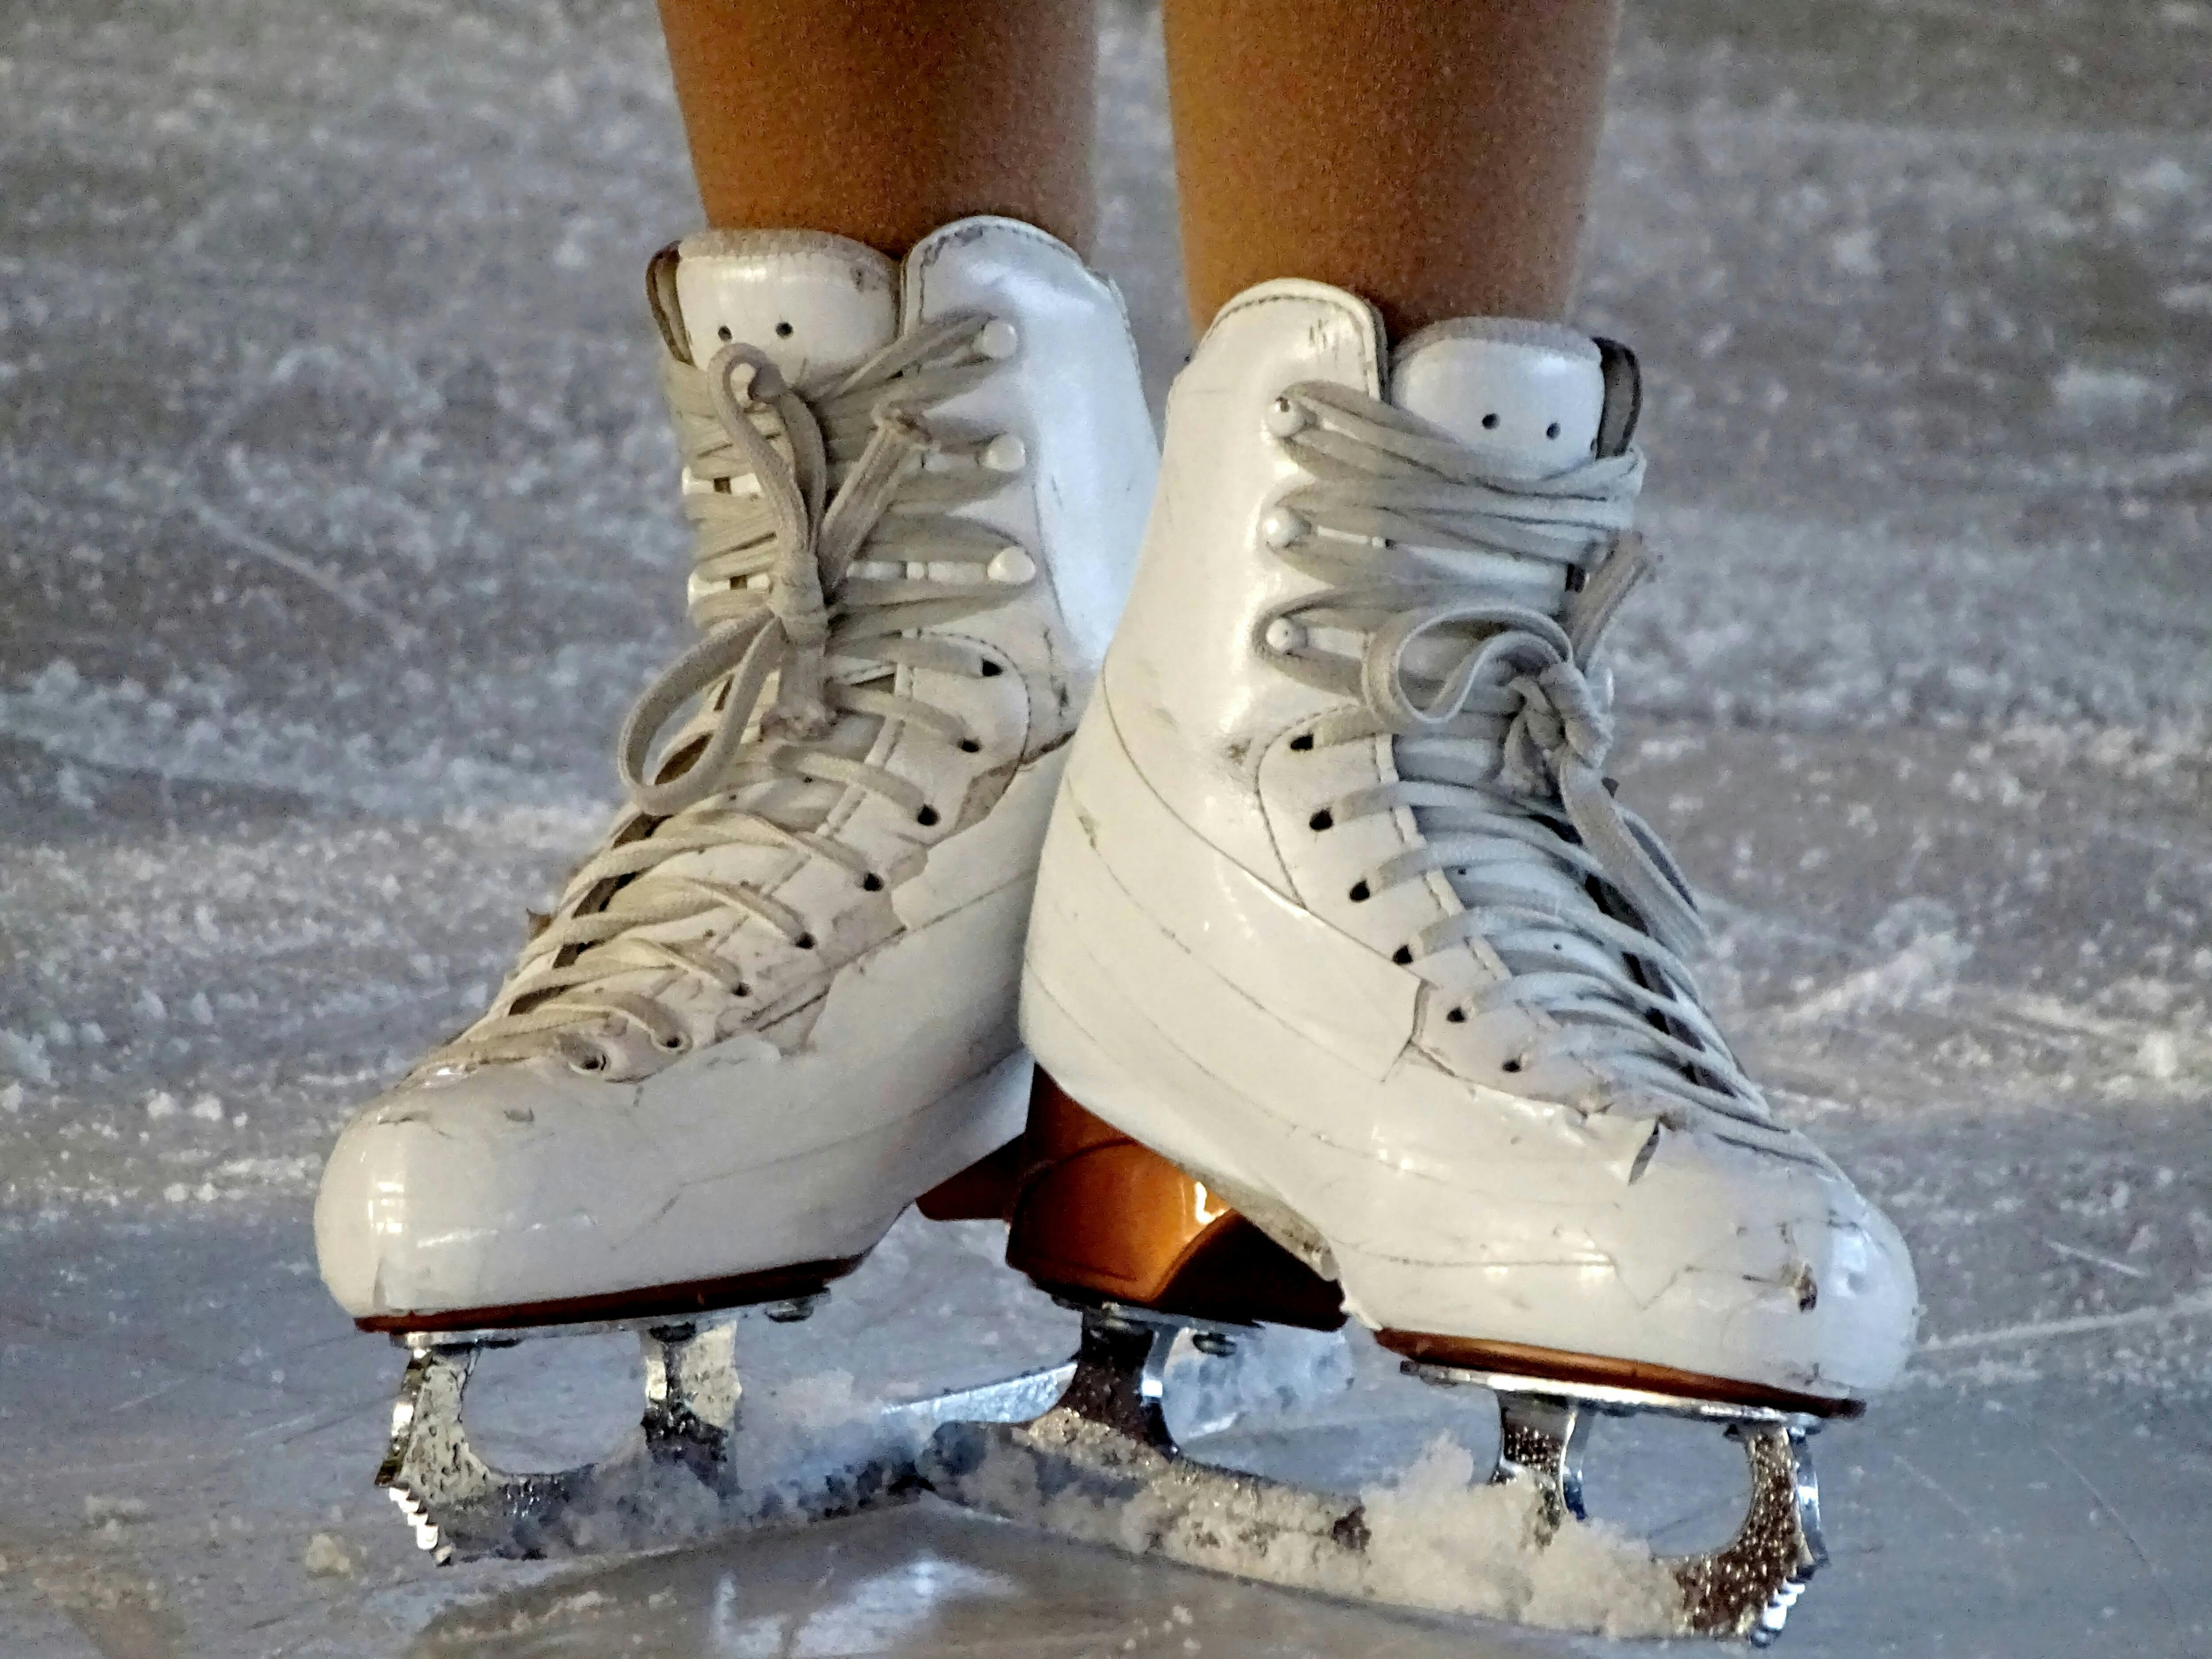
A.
pixel 1436 1540
pixel 326 1557
pixel 1920 974
pixel 818 1442
pixel 27 1057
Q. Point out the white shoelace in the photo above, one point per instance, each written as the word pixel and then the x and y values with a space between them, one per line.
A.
pixel 845 548
pixel 1500 727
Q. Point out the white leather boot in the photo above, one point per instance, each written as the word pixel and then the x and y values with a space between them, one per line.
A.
pixel 1338 917
pixel 778 1002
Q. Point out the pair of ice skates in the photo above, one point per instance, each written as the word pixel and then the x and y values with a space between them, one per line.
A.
pixel 1351 988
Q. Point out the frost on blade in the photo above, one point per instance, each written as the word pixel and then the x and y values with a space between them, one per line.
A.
pixel 713 1456
pixel 1078 1480
pixel 692 1468
pixel 1436 1540
pixel 1432 1539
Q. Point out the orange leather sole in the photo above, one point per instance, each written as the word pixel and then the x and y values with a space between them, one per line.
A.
pixel 672 1302
pixel 1556 1365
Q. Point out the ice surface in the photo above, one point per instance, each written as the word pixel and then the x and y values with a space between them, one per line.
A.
pixel 336 529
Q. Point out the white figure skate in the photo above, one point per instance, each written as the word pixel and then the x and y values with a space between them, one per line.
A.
pixel 779 1002
pixel 1348 977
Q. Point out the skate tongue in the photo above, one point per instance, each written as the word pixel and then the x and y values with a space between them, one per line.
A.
pixel 815 305
pixel 1527 396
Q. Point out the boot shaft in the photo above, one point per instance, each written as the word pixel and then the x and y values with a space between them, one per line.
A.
pixel 1196 704
pixel 1059 419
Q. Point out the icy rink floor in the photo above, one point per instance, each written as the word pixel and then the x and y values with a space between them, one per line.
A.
pixel 338 528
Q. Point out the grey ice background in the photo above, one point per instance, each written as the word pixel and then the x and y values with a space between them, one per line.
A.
pixel 336 530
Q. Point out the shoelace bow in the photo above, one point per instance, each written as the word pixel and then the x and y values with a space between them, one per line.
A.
pixel 1502 728
pixel 844 548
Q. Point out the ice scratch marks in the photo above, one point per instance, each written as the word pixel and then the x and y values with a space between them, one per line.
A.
pixel 256 546
pixel 1988 1538
pixel 2075 1253
pixel 1923 971
pixel 197 732
pixel 2157 1577
pixel 2194 1305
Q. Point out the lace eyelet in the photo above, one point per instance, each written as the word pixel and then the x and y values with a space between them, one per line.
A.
pixel 871 883
pixel 1303 742
pixel 1511 1066
pixel 590 1063
pixel 991 669
pixel 805 942
pixel 927 818
pixel 970 746
pixel 1359 894
pixel 676 1044
pixel 1403 956
pixel 1285 418
pixel 1321 820
pixel 1456 1015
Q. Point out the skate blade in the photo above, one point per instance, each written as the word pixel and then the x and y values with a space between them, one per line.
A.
pixel 673 1479
pixel 1102 1468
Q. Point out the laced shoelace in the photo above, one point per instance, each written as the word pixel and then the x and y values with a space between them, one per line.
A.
pixel 822 535
pixel 1500 727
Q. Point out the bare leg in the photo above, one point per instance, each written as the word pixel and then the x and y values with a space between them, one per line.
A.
pixel 882 119
pixel 1435 158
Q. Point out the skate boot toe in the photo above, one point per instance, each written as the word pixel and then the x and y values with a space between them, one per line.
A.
pixel 464 1194
pixel 521 1195
pixel 1796 1281
pixel 1754 1275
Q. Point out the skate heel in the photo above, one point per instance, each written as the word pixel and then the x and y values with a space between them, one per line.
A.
pixel 1094 1217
